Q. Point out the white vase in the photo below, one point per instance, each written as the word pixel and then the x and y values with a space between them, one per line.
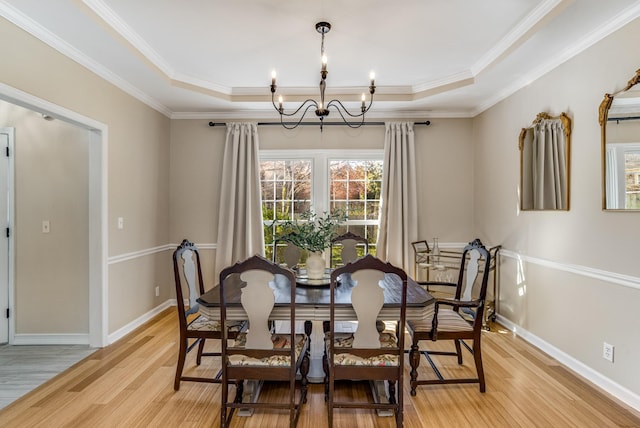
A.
pixel 315 265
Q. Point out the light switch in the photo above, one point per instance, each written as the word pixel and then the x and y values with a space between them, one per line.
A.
pixel 120 222
pixel 46 226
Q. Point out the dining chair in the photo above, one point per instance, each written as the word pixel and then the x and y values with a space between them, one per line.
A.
pixel 290 253
pixel 193 325
pixel 348 243
pixel 368 353
pixel 458 319
pixel 260 353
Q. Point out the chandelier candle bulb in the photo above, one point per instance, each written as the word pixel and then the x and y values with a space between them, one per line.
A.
pixel 273 77
pixel 363 99
pixel 280 102
pixel 324 63
pixel 372 76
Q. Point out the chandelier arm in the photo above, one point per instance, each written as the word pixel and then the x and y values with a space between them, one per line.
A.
pixel 282 113
pixel 344 119
pixel 338 105
pixel 301 117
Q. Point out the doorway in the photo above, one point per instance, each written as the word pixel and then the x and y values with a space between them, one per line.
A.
pixel 97 213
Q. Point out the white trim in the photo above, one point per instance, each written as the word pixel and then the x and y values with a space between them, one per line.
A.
pixel 98 203
pixel 51 339
pixel 46 36
pixel 599 274
pixel 120 333
pixel 620 392
pixel 11 224
pixel 154 250
pixel 141 253
pixel 614 24
pixel 540 13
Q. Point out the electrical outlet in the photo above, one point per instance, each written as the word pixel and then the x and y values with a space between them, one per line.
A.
pixel 607 351
pixel 120 222
pixel 157 291
pixel 46 226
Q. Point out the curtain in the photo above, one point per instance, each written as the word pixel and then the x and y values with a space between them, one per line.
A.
pixel 549 165
pixel 399 204
pixel 240 232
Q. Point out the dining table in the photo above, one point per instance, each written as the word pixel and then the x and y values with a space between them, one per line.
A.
pixel 313 299
pixel 312 307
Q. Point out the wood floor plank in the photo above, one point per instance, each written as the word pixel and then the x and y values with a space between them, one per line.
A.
pixel 130 384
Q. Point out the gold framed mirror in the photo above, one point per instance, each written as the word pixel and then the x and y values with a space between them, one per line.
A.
pixel 619 117
pixel 544 163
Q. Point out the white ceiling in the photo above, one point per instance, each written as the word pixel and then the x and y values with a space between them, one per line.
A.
pixel 213 58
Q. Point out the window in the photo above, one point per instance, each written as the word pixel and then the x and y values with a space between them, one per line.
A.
pixel 295 181
pixel 623 170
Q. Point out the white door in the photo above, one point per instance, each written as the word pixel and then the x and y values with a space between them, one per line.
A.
pixel 6 229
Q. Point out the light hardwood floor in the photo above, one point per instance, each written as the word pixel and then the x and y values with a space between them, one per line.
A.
pixel 130 384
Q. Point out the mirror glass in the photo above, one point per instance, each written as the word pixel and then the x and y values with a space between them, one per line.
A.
pixel 620 123
pixel 544 163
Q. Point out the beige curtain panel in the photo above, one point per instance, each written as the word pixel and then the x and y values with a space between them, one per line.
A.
pixel 240 233
pixel 545 177
pixel 398 208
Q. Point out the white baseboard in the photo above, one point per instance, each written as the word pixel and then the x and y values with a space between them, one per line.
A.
pixel 50 339
pixel 120 333
pixel 618 391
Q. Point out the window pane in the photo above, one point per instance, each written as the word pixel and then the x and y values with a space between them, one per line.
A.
pixel 354 187
pixel 632 179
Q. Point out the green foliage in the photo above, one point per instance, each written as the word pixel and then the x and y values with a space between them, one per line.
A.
pixel 312 232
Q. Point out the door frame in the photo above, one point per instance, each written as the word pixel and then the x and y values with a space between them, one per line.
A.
pixel 98 206
pixel 10 131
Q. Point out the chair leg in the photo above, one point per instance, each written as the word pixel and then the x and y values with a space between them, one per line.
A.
pixel 458 350
pixel 304 371
pixel 224 394
pixel 200 350
pixel 325 368
pixel 392 391
pixel 477 356
pixel 414 361
pixel 182 355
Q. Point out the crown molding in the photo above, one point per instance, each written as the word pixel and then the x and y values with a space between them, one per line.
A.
pixel 595 36
pixel 44 35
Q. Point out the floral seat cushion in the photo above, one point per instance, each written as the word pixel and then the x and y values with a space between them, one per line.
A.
pixel 202 323
pixel 279 341
pixel 341 341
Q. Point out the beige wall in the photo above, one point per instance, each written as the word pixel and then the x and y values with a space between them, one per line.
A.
pixel 138 168
pixel 550 291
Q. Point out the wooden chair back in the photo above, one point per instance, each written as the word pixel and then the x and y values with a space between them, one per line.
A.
pixel 348 244
pixel 370 354
pixel 262 353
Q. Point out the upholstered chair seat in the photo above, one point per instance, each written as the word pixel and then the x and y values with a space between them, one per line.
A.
pixel 279 341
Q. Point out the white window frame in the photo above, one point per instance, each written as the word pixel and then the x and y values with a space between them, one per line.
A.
pixel 320 167
pixel 615 180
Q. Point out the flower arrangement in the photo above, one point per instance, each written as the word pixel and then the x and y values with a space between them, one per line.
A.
pixel 312 232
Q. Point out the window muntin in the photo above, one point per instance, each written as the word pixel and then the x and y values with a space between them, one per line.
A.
pixel 294 181
pixel 354 187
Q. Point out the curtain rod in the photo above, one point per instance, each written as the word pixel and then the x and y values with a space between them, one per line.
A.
pixel 617 119
pixel 426 123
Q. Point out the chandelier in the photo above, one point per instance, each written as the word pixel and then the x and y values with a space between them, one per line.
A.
pixel 322 108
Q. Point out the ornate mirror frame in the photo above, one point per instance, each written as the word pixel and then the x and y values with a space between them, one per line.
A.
pixel 525 165
pixel 603 118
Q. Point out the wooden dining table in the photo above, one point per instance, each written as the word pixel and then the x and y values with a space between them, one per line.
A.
pixel 313 300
